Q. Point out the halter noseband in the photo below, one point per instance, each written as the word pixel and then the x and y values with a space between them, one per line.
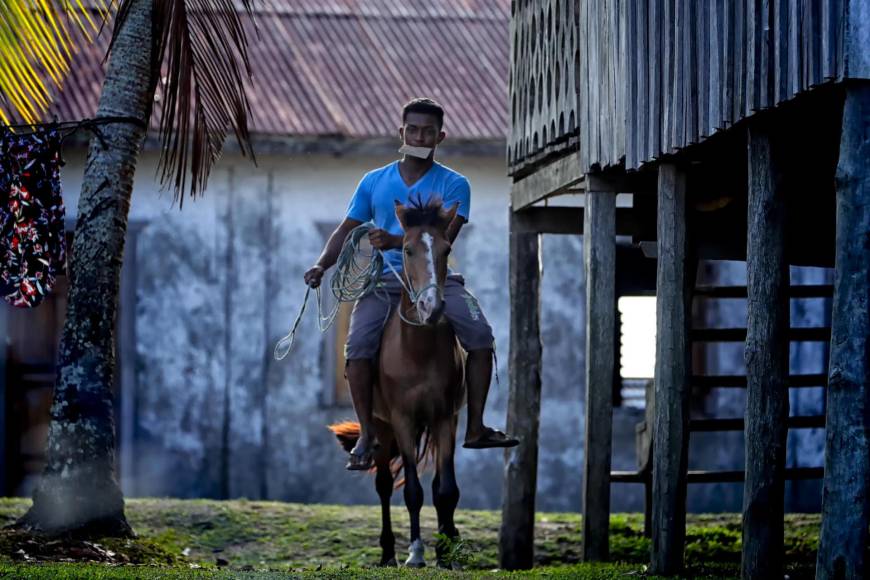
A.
pixel 408 286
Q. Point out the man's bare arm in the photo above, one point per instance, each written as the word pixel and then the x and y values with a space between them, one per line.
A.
pixel 330 252
pixel 332 249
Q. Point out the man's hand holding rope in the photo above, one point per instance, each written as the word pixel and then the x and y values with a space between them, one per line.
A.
pixel 314 275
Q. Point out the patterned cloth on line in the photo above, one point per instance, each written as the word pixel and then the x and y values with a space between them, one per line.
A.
pixel 32 241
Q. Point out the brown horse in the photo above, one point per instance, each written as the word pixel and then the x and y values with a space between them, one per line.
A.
pixel 420 386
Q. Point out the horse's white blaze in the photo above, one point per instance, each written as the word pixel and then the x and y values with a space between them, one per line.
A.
pixel 430 258
pixel 429 298
pixel 415 554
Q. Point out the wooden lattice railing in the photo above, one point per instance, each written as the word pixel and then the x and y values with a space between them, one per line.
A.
pixel 543 89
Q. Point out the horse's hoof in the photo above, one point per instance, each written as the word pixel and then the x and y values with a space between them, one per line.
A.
pixel 415 558
pixel 391 563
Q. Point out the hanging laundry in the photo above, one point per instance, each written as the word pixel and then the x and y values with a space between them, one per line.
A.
pixel 32 240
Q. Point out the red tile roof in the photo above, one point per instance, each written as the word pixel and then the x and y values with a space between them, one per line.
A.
pixel 345 67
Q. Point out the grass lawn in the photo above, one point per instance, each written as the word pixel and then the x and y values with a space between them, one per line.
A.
pixel 252 539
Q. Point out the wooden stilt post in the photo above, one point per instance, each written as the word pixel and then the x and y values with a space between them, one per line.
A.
pixel 599 252
pixel 672 373
pixel 845 496
pixel 766 356
pixel 516 536
pixel 644 450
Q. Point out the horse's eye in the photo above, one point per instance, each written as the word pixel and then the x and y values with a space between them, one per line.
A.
pixel 408 251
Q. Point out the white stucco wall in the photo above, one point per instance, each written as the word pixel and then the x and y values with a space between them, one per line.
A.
pixel 219 282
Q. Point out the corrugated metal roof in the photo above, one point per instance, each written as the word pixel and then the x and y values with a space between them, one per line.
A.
pixel 389 8
pixel 345 67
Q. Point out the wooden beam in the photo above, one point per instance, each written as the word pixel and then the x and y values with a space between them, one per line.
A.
pixel 569 220
pixel 599 258
pixel 516 535
pixel 766 357
pixel 672 373
pixel 547 181
pixel 792 473
pixel 796 334
pixel 738 424
pixel 800 291
pixel 846 492
pixel 634 182
pixel 739 381
pixel 549 220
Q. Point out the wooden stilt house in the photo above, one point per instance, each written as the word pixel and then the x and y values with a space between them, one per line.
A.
pixel 741 129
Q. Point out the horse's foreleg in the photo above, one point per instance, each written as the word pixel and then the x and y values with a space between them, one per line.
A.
pixel 445 492
pixel 413 494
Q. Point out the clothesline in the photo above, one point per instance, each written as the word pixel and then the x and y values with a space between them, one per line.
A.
pixel 68 128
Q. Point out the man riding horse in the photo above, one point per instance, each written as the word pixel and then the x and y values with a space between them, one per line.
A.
pixel 416 176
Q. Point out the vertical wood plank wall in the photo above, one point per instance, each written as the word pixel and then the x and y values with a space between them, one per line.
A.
pixel 641 79
pixel 715 62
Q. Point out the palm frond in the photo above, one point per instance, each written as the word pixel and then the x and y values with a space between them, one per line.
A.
pixel 37 41
pixel 203 60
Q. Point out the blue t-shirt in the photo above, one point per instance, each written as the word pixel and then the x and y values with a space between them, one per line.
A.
pixel 374 198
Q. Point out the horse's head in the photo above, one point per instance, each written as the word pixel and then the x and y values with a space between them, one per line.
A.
pixel 425 250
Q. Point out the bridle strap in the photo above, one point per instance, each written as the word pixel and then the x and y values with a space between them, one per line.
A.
pixel 412 294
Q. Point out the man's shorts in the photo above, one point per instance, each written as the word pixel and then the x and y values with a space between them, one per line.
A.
pixel 370 314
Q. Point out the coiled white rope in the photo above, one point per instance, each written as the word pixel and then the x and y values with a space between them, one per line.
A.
pixel 357 274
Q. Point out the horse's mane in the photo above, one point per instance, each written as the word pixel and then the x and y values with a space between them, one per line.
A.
pixel 430 213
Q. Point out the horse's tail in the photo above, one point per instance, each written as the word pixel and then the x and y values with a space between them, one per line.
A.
pixel 425 459
pixel 347 433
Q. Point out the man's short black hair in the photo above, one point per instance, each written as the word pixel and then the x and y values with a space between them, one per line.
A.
pixel 426 106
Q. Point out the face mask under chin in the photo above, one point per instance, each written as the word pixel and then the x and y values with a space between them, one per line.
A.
pixel 418 152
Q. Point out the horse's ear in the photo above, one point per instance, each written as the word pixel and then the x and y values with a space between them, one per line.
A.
pixel 400 212
pixel 448 216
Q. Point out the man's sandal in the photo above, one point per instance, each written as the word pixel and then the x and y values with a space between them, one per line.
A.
pixel 360 462
pixel 491 438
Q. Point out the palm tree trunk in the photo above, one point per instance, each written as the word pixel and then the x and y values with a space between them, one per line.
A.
pixel 79 491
